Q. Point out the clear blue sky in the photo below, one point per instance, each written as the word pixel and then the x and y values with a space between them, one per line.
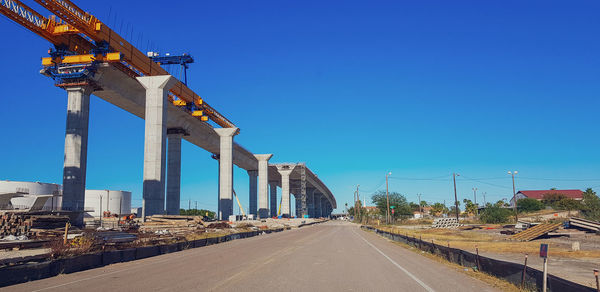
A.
pixel 352 88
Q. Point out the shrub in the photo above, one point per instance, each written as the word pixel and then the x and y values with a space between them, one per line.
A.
pixel 591 205
pixel 529 205
pixel 495 215
pixel 568 204
pixel 550 199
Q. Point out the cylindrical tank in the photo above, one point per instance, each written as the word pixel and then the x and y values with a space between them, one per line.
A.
pixel 99 201
pixel 31 189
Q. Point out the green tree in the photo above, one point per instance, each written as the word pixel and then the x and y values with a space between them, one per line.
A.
pixel 495 215
pixel 591 205
pixel 529 205
pixel 452 211
pixel 569 204
pixel 414 206
pixel 196 212
pixel 438 209
pixel 550 199
pixel 500 203
pixel 401 207
pixel 470 208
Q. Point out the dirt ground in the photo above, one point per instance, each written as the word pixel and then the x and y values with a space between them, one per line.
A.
pixel 575 266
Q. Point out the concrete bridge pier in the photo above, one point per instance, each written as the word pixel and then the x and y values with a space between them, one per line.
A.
pixel 174 136
pixel 226 171
pixel 263 184
pixel 273 198
pixel 317 205
pixel 157 88
pixel 253 176
pixel 285 171
pixel 310 198
pixel 76 140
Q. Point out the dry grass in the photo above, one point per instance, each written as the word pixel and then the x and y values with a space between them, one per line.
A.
pixel 484 277
pixel 469 240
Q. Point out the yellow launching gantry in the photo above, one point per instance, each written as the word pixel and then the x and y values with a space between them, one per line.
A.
pixel 81 39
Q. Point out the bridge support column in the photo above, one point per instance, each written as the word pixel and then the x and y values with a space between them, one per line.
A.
pixel 226 172
pixel 310 193
pixel 253 175
pixel 76 140
pixel 285 171
pixel 174 170
pixel 155 138
pixel 263 184
pixel 273 198
pixel 298 203
pixel 317 205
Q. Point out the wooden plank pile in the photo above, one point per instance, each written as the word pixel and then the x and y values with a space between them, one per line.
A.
pixel 26 224
pixel 536 231
pixel 14 224
pixel 172 223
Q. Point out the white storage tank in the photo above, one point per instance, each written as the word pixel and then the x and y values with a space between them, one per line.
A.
pixel 30 190
pixel 116 202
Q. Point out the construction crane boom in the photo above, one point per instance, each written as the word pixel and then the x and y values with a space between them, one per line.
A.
pixel 75 31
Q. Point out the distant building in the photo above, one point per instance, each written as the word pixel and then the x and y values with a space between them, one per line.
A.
pixel 539 194
pixel 426 212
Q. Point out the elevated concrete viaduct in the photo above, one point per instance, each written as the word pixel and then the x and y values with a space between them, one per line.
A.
pixel 165 125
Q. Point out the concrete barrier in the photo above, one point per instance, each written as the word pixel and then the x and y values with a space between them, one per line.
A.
pixel 146 252
pixel 112 257
pixel 128 254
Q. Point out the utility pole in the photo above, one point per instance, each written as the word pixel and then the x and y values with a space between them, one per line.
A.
pixel 357 205
pixel 455 196
pixel 189 204
pixel 420 208
pixel 514 194
pixel 484 202
pixel 387 196
pixel 475 197
pixel 101 211
pixel 196 207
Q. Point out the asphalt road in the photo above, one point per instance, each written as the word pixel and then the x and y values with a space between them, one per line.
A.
pixel 334 256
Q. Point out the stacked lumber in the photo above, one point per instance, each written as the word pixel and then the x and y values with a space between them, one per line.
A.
pixel 172 223
pixel 14 224
pixel 26 224
pixel 535 232
pixel 48 221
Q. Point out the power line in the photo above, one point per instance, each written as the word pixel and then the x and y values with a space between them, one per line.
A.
pixel 483 182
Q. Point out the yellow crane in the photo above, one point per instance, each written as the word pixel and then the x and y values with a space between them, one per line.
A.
pixel 239 204
pixel 80 38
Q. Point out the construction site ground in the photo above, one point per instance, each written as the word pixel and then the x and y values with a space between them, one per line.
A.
pixel 157 230
pixel 576 266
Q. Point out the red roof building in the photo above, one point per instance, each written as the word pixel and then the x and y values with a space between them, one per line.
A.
pixel 539 194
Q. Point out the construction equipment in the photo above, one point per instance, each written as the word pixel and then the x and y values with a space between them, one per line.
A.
pixel 239 204
pixel 81 41
pixel 535 231
pixel 280 204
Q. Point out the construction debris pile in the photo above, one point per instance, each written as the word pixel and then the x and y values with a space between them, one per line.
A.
pixel 18 224
pixel 173 224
